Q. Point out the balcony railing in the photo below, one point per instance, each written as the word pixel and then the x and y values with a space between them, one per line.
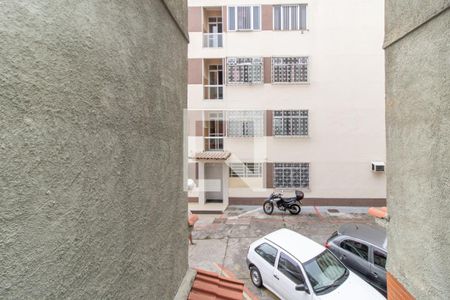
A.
pixel 214 143
pixel 213 92
pixel 213 40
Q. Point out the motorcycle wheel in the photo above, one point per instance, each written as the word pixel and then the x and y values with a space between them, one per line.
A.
pixel 268 207
pixel 295 209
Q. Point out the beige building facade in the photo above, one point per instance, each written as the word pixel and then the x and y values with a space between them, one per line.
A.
pixel 283 97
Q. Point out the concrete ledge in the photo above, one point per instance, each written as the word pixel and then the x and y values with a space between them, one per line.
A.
pixel 316 201
pixel 186 285
pixel 192 199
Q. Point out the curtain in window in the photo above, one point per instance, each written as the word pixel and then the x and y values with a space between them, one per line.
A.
pixel 244 18
pixel 289 17
pixel 256 18
pixel 277 17
pixel 231 18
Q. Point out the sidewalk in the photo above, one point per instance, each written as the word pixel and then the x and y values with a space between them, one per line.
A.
pixel 222 240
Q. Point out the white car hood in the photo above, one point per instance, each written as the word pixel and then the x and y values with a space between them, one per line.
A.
pixel 353 288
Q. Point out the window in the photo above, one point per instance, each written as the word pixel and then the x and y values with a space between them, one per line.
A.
pixel 291 175
pixel 290 268
pixel 289 69
pixel 245 170
pixel 245 123
pixel 324 271
pixel 267 252
pixel 244 18
pixel 289 17
pixel 290 123
pixel 379 259
pixel 357 248
pixel 214 89
pixel 214 131
pixel 244 70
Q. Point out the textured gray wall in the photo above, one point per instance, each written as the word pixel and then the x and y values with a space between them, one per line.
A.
pixel 91 100
pixel 418 149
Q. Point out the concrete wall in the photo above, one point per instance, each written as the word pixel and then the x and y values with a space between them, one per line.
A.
pixel 418 148
pixel 91 107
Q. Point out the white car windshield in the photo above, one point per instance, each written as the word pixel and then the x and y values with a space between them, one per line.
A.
pixel 325 272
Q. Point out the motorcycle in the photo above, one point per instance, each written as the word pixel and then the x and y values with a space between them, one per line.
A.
pixel 293 204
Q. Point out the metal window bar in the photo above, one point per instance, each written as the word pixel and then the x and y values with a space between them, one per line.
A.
pixel 290 122
pixel 290 69
pixel 242 70
pixel 291 175
pixel 251 170
pixel 245 123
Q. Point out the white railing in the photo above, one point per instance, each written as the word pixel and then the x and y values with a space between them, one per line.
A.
pixel 213 143
pixel 213 40
pixel 213 92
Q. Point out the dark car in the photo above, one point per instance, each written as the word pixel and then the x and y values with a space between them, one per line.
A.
pixel 362 248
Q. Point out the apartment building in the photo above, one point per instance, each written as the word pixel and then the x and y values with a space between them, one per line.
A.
pixel 286 95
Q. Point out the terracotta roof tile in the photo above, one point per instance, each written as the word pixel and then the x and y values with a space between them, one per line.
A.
pixel 210 286
pixel 212 155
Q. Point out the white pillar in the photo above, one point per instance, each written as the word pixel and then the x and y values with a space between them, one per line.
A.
pixel 201 183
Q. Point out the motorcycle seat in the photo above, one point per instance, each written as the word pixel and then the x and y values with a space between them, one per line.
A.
pixel 291 199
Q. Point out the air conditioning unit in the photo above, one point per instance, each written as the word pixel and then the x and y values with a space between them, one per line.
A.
pixel 378 166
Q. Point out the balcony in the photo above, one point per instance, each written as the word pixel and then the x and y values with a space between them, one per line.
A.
pixel 212 40
pixel 213 84
pixel 212 27
pixel 213 92
pixel 213 143
pixel 214 130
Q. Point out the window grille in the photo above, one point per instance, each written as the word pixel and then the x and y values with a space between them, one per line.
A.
pixel 290 122
pixel 289 17
pixel 289 69
pixel 245 169
pixel 244 18
pixel 244 70
pixel 245 123
pixel 291 175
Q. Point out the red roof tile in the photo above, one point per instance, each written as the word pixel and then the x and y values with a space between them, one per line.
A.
pixel 213 155
pixel 210 286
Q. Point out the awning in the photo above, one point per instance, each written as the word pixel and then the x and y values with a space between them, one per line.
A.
pixel 212 155
pixel 209 285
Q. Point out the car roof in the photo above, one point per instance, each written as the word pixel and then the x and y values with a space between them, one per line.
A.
pixel 375 235
pixel 297 245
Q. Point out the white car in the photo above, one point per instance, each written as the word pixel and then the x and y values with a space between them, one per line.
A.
pixel 295 267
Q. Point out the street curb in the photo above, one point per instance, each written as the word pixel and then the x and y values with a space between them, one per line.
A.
pixel 186 285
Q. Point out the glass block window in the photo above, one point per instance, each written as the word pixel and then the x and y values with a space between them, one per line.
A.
pixel 244 70
pixel 290 123
pixel 244 18
pixel 289 69
pixel 245 169
pixel 291 175
pixel 289 17
pixel 245 123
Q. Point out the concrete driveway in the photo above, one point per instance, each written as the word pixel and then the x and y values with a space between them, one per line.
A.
pixel 221 241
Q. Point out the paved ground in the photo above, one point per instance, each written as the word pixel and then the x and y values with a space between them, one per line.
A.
pixel 221 241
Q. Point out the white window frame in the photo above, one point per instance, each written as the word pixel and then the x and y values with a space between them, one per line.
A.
pixel 257 116
pixel 253 64
pixel 285 165
pixel 290 82
pixel 241 170
pixel 283 117
pixel 282 7
pixel 236 18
